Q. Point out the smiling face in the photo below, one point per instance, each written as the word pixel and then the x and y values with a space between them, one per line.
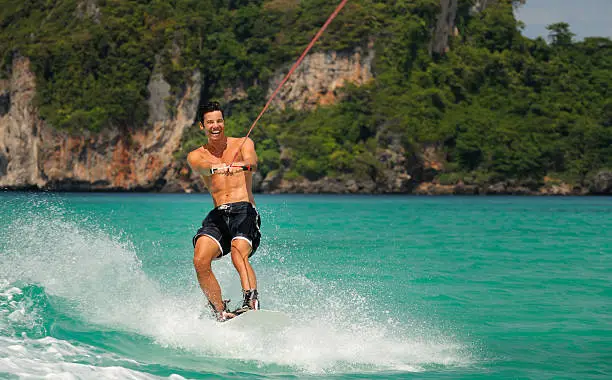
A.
pixel 214 126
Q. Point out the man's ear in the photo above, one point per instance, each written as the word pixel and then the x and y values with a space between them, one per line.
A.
pixel 201 125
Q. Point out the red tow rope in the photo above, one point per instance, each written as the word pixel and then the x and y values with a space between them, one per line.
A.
pixel 295 65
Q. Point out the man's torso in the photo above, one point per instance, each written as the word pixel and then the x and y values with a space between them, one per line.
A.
pixel 228 188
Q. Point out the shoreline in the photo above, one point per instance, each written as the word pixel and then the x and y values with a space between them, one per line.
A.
pixel 409 194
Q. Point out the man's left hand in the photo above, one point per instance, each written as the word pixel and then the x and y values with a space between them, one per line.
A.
pixel 230 170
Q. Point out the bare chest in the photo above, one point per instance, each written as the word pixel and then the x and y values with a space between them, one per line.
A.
pixel 226 157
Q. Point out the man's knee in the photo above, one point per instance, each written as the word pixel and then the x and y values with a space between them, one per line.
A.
pixel 205 251
pixel 241 248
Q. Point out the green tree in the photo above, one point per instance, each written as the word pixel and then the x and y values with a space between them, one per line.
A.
pixel 560 34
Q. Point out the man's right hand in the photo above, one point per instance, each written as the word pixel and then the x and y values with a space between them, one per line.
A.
pixel 219 169
pixel 227 170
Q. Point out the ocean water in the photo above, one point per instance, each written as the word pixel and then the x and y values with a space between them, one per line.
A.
pixel 101 286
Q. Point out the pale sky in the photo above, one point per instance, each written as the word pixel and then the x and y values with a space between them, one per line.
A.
pixel 587 18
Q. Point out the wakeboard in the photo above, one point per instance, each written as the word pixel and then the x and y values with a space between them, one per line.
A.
pixel 259 319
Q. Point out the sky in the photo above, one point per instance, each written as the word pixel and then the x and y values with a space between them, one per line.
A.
pixel 587 18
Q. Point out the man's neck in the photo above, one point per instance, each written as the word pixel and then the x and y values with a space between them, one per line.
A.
pixel 217 148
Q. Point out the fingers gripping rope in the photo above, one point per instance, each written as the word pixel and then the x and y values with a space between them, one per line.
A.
pixel 246 168
pixel 295 65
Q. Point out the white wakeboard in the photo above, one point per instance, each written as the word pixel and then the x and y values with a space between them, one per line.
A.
pixel 266 319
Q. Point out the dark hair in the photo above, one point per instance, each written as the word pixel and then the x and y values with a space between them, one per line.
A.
pixel 209 107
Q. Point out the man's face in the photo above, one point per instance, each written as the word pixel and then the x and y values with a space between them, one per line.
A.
pixel 213 125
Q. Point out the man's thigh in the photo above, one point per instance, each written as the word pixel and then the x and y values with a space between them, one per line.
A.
pixel 206 249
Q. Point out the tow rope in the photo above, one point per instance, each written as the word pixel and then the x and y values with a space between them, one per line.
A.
pixel 295 65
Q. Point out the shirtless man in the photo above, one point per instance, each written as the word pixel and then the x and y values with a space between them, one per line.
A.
pixel 233 225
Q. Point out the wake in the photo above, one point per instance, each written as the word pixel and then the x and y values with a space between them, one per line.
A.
pixel 99 278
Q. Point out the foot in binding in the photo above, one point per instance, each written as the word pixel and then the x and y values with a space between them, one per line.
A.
pixel 222 315
pixel 251 302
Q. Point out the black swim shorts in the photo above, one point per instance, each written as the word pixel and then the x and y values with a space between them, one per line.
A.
pixel 231 221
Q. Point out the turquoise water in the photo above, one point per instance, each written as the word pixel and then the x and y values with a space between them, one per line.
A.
pixel 102 286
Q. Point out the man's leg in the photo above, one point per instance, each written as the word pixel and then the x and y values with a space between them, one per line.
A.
pixel 240 258
pixel 205 251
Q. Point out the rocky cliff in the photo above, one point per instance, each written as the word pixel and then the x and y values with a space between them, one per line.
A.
pixel 445 26
pixel 35 155
pixel 140 157
pixel 446 23
pixel 20 129
pixel 317 80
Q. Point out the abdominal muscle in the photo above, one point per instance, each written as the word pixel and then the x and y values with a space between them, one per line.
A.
pixel 230 189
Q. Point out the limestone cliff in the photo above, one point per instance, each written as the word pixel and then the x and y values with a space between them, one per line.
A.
pixel 445 26
pixel 317 80
pixel 446 23
pixel 33 154
pixel 20 129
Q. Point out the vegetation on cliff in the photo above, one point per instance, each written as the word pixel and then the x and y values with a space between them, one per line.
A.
pixel 498 106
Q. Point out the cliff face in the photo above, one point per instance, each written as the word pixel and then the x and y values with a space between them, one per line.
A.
pixel 445 26
pixel 36 155
pixel 20 129
pixel 317 79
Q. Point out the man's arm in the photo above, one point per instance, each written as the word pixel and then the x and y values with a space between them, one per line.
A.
pixel 201 166
pixel 249 157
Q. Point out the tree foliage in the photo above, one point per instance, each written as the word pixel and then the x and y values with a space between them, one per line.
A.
pixel 499 105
